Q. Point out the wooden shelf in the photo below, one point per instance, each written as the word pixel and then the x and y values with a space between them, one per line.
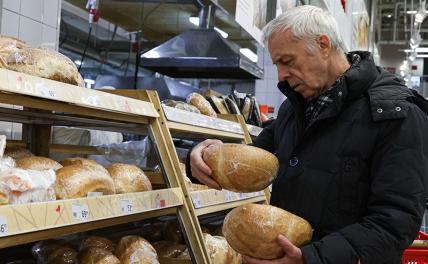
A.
pixel 190 131
pixel 25 218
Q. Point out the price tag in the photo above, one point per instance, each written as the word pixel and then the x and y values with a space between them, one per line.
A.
pixel 228 196
pixel 197 201
pixel 3 226
pixel 80 212
pixel 126 206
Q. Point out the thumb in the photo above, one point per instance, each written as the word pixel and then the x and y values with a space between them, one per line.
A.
pixel 287 246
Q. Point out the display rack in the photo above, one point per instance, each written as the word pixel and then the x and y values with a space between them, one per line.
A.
pixel 182 124
pixel 45 103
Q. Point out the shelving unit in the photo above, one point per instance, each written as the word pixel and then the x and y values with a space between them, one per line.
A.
pixel 47 103
pixel 182 124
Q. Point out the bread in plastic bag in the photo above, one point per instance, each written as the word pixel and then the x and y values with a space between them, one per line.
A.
pixel 42 249
pixel 201 103
pixel 9 45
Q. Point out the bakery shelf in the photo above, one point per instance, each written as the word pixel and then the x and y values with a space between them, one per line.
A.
pixel 22 219
pixel 174 261
pixel 210 201
pixel 254 130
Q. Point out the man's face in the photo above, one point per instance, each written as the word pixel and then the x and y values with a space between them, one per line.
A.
pixel 304 70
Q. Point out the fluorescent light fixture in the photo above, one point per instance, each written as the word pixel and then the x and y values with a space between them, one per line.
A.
pixel 389 16
pixel 249 54
pixel 422 56
pixel 411 12
pixel 418 50
pixel 195 21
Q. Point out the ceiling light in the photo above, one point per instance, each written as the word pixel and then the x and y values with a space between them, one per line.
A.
pixel 411 12
pixel 249 54
pixel 389 16
pixel 195 21
pixel 422 56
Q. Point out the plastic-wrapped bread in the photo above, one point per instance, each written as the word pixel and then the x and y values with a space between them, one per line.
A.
pixel 45 63
pixel 77 181
pixel 168 249
pixel 42 249
pixel 135 249
pixel 27 186
pixel 252 230
pixel 37 163
pixel 219 250
pixel 97 242
pixel 201 103
pixel 241 168
pixel 97 256
pixel 181 105
pixel 63 255
pixel 9 45
pixel 129 178
pixel 17 152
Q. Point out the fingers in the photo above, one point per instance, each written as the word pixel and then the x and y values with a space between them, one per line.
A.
pixel 250 260
pixel 205 179
pixel 289 249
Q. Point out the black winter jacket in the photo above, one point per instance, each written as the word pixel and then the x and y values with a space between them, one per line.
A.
pixel 359 172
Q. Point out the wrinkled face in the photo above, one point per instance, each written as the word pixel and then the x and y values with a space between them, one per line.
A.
pixel 303 69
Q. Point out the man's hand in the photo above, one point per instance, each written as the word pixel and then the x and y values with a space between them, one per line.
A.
pixel 293 254
pixel 200 169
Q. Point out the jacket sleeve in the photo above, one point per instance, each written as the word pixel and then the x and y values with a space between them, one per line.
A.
pixel 265 139
pixel 398 184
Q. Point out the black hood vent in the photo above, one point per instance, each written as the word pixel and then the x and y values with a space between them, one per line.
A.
pixel 200 53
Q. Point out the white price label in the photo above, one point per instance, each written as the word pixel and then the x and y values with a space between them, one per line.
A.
pixel 3 226
pixel 80 212
pixel 126 206
pixel 197 201
pixel 228 196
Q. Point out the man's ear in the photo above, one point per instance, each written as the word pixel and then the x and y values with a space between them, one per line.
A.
pixel 324 44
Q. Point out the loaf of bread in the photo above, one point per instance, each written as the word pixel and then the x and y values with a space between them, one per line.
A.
pixel 37 163
pixel 45 63
pixel 97 242
pixel 218 104
pixel 77 181
pixel 42 249
pixel 253 229
pixel 241 168
pixel 135 249
pixel 97 256
pixel 191 187
pixel 63 255
pixel 17 152
pixel 129 178
pixel 9 45
pixel 219 250
pixel 79 161
pixel 181 105
pixel 201 103
pixel 168 249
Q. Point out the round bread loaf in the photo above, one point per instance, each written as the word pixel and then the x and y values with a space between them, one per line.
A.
pixel 63 255
pixel 97 242
pixel 168 249
pixel 201 103
pixel 129 178
pixel 45 63
pixel 219 250
pixel 77 181
pixel 9 45
pixel 253 229
pixel 17 152
pixel 241 168
pixel 79 161
pixel 97 256
pixel 37 163
pixel 135 249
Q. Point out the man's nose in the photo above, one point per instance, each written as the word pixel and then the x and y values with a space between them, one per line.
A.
pixel 283 73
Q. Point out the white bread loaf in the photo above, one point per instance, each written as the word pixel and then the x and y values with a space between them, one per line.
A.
pixel 45 63
pixel 97 256
pixel 241 168
pixel 253 229
pixel 135 249
pixel 129 178
pixel 219 250
pixel 201 103
pixel 37 163
pixel 77 181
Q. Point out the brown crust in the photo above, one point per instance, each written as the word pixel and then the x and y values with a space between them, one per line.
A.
pixel 97 242
pixel 128 178
pixel 202 104
pixel 98 256
pixel 135 248
pixel 37 163
pixel 253 229
pixel 241 168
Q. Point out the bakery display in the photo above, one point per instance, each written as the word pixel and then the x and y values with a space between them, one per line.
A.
pixel 252 230
pixel 9 45
pixel 17 152
pixel 77 181
pixel 37 163
pixel 135 249
pixel 97 256
pixel 181 105
pixel 128 178
pixel 219 250
pixel 241 168
pixel 168 249
pixel 97 242
pixel 201 103
pixel 63 255
pixel 81 161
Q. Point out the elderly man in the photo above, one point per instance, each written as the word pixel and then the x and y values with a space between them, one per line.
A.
pixel 351 143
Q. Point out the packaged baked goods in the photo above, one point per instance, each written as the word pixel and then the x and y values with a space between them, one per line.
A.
pixel 253 229
pixel 27 186
pixel 241 168
pixel 201 103
pixel 45 63
pixel 181 105
pixel 37 163
pixel 219 250
pixel 168 249
pixel 17 152
pixel 97 256
pixel 42 249
pixel 135 249
pixel 9 45
pixel 128 178
pixel 77 181
pixel 97 242
pixel 63 255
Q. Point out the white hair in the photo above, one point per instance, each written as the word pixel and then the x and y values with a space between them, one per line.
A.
pixel 306 23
